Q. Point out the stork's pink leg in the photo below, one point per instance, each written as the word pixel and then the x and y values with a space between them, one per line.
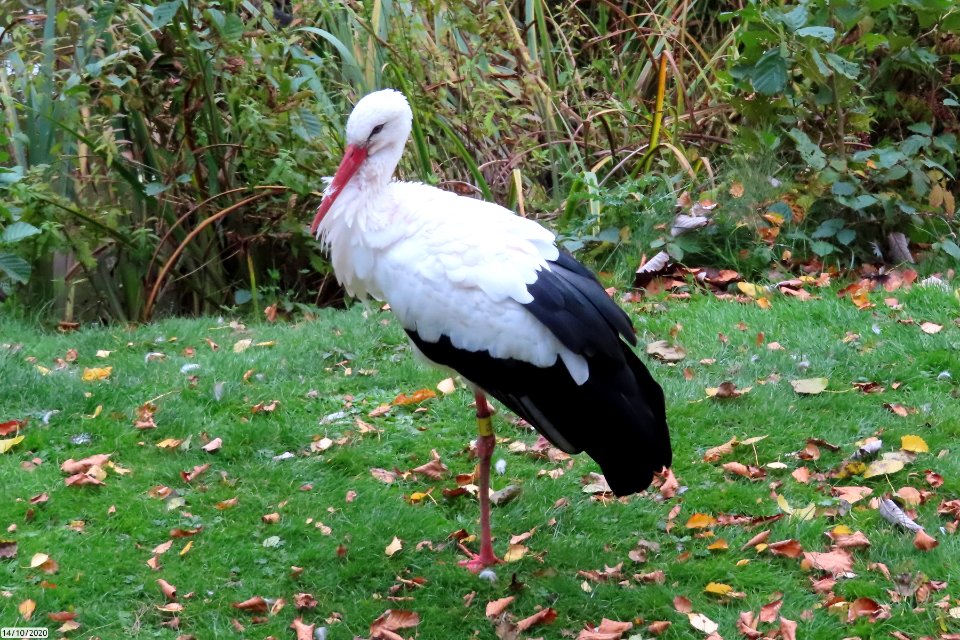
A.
pixel 485 445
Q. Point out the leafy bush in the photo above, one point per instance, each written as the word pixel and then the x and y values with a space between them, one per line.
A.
pixel 862 96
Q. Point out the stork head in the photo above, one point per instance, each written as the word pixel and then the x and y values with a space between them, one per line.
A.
pixel 377 131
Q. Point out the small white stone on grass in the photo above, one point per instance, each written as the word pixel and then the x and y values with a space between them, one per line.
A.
pixel 501 466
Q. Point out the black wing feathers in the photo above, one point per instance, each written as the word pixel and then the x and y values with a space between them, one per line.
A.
pixel 617 416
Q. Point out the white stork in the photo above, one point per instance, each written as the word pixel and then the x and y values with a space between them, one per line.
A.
pixel 488 294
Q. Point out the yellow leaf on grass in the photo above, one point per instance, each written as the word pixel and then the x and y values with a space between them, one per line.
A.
pixel 242 345
pixel 916 444
pixel 394 546
pixel 96 373
pixel 718 589
pixel 701 521
pixel 515 552
pixel 26 609
pixel 883 467
pixel 810 386
pixel 748 288
pixel 10 443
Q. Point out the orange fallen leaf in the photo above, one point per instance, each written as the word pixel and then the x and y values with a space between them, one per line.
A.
pixel 392 620
pixel 416 397
pixel 837 562
pixel 302 630
pixel 787 548
pixel 701 521
pixel 26 609
pixel 496 607
pixel 193 474
pixel 924 541
pixel 544 616
pixel 256 604
pixel 168 590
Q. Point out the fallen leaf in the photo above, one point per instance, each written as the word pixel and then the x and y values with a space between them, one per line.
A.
pixel 383 475
pixel 924 541
pixel 810 386
pixel 899 409
pixel 682 604
pixel 715 453
pixel 658 627
pixel 193 474
pixel 702 623
pixel 227 504
pixel 544 616
pixel 606 630
pixel 416 397
pixel 701 521
pixel 931 327
pixel 10 443
pixel 393 619
pixel 882 467
pixel 787 548
pixel 395 545
pixel 302 630
pixel 836 562
pixel 496 607
pixel 213 446
pixel 663 351
pixel 718 589
pixel 26 609
pixel 256 604
pixel 915 444
pixel 96 373
pixel 168 590
pixel 726 390
pixel 446 386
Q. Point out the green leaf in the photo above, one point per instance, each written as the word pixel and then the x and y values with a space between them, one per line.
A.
pixel 846 236
pixel 769 75
pixel 822 248
pixel 843 66
pixel 164 13
pixel 827 34
pixel 950 247
pixel 923 128
pixel 155 188
pixel 15 267
pixel 18 231
pixel 311 124
pixel 810 152
pixel 822 67
pixel 843 188
pixel 232 28
pixel 242 296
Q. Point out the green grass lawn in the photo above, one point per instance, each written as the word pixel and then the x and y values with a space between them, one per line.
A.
pixel 329 373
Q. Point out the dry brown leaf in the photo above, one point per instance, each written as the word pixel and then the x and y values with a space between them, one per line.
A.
pixel 682 604
pixel 392 620
pixel 383 475
pixel 302 630
pixel 168 590
pixel 496 607
pixel 72 466
pixel 421 395
pixel 256 604
pixel 924 541
pixel 658 627
pixel 836 562
pixel 787 548
pixel 544 616
pixel 715 453
pixel 26 609
pixel 193 474
pixel 213 446
pixel 663 351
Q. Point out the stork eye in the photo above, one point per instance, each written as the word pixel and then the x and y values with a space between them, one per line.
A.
pixel 377 129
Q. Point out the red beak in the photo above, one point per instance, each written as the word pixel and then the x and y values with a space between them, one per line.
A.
pixel 353 157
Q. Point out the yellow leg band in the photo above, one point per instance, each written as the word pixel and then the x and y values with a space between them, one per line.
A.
pixel 485 426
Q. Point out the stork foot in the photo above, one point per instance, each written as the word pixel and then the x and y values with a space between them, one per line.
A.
pixel 480 561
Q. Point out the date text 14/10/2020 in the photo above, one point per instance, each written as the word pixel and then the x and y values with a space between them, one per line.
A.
pixel 23 632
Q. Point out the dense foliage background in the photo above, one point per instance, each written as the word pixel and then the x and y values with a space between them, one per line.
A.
pixel 164 158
